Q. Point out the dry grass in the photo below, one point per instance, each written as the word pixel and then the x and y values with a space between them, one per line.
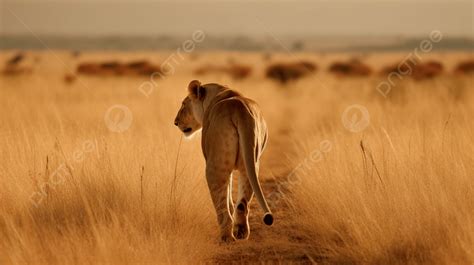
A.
pixel 399 192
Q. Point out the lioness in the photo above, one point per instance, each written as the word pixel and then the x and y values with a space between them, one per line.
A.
pixel 234 136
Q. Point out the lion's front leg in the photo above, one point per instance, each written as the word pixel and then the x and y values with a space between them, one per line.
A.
pixel 218 180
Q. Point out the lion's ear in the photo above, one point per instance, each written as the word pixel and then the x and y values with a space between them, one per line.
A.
pixel 196 91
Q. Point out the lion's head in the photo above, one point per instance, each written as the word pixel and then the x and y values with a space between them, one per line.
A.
pixel 190 115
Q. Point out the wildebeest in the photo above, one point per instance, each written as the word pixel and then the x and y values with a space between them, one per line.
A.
pixel 16 59
pixel 351 68
pixel 116 68
pixel 89 68
pixel 142 68
pixel 415 69
pixel 284 72
pixel 402 68
pixel 109 65
pixel 13 67
pixel 236 71
pixel 137 64
pixel 12 71
pixel 426 70
pixel 465 67
pixel 69 78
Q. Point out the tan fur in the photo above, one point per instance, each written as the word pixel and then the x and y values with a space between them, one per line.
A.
pixel 234 135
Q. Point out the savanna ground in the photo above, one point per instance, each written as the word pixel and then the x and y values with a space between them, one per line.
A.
pixel 399 191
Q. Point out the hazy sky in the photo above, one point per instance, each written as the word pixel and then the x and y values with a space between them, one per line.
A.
pixel 301 18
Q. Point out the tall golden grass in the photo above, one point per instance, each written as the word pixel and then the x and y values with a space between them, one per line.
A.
pixel 74 192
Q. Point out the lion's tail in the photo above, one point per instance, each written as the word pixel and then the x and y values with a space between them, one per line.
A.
pixel 248 146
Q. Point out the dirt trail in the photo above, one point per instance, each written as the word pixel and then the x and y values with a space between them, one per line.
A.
pixel 284 242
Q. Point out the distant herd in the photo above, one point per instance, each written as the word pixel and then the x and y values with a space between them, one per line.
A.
pixel 282 72
pixel 116 68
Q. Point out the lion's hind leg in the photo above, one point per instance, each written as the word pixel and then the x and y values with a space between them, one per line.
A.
pixel 230 201
pixel 218 181
pixel 242 208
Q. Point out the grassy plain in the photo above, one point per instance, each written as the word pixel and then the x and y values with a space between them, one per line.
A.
pixel 398 191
